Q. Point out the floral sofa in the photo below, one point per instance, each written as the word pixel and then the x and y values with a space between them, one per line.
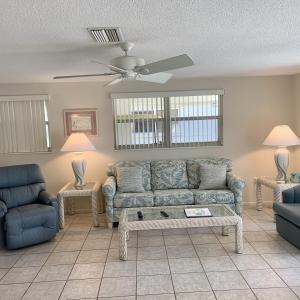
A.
pixel 170 182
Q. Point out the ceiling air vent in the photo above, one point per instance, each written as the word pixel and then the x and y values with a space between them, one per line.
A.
pixel 106 34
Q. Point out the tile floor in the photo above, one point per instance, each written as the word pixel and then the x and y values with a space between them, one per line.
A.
pixel 82 263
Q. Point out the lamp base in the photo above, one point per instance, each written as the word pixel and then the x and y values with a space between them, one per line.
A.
pixel 79 167
pixel 281 158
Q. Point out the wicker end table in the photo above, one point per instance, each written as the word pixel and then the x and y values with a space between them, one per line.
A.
pixel 222 216
pixel 91 189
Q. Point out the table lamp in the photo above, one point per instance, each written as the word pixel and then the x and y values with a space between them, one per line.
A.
pixel 282 136
pixel 78 142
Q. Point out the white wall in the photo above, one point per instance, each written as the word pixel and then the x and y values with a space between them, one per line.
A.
pixel 296 118
pixel 252 106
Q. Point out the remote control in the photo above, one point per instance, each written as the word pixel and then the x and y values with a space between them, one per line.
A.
pixel 164 214
pixel 140 215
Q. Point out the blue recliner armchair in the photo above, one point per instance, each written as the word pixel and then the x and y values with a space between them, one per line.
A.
pixel 288 215
pixel 28 214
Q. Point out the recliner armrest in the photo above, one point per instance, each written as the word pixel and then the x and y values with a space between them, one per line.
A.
pixel 3 209
pixel 291 195
pixel 47 199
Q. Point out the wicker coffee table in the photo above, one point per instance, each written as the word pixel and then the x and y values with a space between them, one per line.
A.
pixel 222 216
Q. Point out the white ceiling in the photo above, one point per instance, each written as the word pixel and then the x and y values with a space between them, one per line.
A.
pixel 44 38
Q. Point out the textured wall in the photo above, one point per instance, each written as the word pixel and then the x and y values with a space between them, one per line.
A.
pixel 252 106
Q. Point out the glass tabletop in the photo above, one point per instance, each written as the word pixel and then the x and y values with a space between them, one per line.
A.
pixel 153 213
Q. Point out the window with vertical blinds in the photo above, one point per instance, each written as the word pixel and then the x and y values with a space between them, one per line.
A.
pixel 167 120
pixel 24 124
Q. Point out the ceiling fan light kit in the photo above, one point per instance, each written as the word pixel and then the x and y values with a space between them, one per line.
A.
pixel 127 67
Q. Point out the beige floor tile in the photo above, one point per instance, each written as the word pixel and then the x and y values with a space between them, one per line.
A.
pixel 247 249
pixel 151 253
pixel 32 260
pixel 153 267
pixel 96 244
pixel 190 282
pixel 3 272
pixel 180 252
pixel 74 236
pixel 78 289
pixel 185 265
pixel 291 276
pixel 157 297
pixel 41 248
pixel 248 262
pixel 284 260
pixel 228 280
pixel 210 250
pixel 118 287
pixel 44 290
pixel 296 290
pixel 68 246
pixel 275 294
pixel 20 275
pixel 118 298
pixel 268 247
pixel 197 230
pixel 7 261
pixel 275 235
pixel 120 269
pixel 196 296
pixel 149 232
pixel 158 284
pixel 175 231
pixel 257 236
pixel 13 291
pixel 151 241
pixel 91 256
pixel 53 273
pixel 249 225
pixel 62 258
pixel 235 295
pixel 132 243
pixel 217 263
pixel 178 240
pixel 204 238
pixel 262 278
pixel 86 271
pixel 113 254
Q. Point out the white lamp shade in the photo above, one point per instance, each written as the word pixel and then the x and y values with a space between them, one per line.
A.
pixel 77 142
pixel 282 136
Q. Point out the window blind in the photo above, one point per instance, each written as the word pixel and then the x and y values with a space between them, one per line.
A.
pixel 168 119
pixel 24 124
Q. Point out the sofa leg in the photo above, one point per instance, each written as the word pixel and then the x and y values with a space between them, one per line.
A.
pixel 110 225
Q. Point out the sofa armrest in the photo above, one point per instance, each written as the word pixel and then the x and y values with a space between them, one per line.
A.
pixel 47 199
pixel 236 185
pixel 109 189
pixel 3 209
pixel 291 195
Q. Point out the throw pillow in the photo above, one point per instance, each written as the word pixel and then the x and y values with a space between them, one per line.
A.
pixel 130 180
pixel 212 177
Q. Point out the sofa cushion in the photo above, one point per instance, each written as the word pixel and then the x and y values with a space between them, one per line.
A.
pixel 288 211
pixel 193 168
pixel 213 196
pixel 212 177
pixel 173 197
pixel 130 179
pixel 133 199
pixel 169 174
pixel 145 165
pixel 30 224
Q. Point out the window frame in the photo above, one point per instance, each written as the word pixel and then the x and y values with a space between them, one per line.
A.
pixel 167 119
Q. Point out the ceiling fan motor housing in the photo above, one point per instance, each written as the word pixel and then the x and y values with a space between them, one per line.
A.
pixel 127 62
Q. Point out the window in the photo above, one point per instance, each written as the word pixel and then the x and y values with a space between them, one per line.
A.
pixel 167 120
pixel 24 124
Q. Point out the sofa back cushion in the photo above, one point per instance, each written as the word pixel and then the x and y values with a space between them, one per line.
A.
pixel 145 165
pixel 169 174
pixel 20 185
pixel 193 169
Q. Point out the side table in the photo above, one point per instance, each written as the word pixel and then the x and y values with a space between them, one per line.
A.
pixel 271 183
pixel 91 189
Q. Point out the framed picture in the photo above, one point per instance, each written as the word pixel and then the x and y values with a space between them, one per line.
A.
pixel 80 120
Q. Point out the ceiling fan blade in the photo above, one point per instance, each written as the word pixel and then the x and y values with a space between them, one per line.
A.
pixel 157 77
pixel 117 69
pixel 86 75
pixel 114 81
pixel 176 62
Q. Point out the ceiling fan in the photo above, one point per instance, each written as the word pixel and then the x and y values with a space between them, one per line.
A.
pixel 128 67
